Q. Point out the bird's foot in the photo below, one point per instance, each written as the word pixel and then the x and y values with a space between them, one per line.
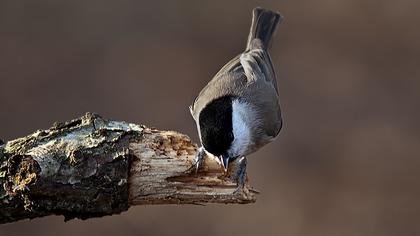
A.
pixel 239 175
pixel 199 159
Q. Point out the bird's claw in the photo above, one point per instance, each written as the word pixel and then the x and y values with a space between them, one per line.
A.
pixel 239 176
pixel 199 159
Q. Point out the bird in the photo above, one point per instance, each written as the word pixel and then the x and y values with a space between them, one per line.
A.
pixel 238 111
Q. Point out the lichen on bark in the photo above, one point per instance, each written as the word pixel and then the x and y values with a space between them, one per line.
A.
pixel 76 169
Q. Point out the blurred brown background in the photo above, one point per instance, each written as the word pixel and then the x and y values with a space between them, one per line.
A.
pixel 347 161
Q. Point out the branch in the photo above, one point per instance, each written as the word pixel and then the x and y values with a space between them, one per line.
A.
pixel 92 167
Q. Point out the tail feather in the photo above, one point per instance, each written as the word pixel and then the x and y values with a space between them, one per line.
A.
pixel 264 24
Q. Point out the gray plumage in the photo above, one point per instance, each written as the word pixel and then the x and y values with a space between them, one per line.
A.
pixel 251 78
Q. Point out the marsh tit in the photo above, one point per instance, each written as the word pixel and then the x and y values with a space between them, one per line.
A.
pixel 238 111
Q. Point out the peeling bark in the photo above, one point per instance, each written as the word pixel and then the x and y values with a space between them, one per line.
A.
pixel 92 167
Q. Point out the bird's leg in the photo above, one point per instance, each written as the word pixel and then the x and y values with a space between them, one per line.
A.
pixel 239 176
pixel 199 158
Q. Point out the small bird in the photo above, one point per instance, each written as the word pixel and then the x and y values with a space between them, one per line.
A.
pixel 238 111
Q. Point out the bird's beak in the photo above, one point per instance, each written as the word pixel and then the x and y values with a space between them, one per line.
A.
pixel 225 161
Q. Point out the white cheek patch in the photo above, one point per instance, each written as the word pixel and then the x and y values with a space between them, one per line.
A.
pixel 241 131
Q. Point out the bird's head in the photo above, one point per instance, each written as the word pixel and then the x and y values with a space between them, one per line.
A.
pixel 223 129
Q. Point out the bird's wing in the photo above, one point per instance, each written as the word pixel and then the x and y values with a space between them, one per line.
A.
pixel 262 91
pixel 252 68
pixel 258 67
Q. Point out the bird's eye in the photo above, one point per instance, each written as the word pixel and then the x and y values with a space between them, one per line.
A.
pixel 230 135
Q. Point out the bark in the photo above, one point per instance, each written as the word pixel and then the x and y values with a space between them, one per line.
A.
pixel 92 167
